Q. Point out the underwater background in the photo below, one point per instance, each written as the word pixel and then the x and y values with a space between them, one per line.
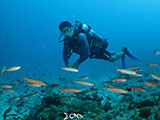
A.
pixel 28 38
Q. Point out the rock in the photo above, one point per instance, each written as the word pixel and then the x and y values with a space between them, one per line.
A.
pixel 77 105
pixel 145 113
pixel 107 106
pixel 145 103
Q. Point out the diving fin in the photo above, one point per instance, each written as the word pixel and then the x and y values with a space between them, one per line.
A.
pixel 130 54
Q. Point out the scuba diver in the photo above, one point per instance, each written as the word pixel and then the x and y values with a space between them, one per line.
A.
pixel 82 40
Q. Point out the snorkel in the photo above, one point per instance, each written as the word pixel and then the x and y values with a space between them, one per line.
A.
pixel 59 41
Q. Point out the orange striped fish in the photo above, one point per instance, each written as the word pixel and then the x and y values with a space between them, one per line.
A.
pixel 84 82
pixel 119 79
pixel 74 90
pixel 137 88
pixel 153 64
pixel 151 83
pixel 157 77
pixel 8 90
pixel 35 81
pixel 117 89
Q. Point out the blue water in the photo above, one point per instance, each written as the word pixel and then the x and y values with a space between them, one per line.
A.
pixel 29 33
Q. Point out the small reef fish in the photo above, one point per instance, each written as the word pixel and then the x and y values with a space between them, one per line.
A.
pixel 153 64
pixel 6 112
pixel 20 105
pixel 14 99
pixel 92 89
pixel 5 86
pixel 157 77
pixel 119 79
pixel 70 69
pixel 8 90
pixel 135 68
pixel 151 83
pixel 114 86
pixel 137 88
pixel 16 82
pixel 74 90
pixel 3 69
pixel 108 82
pixel 13 68
pixel 84 82
pixel 63 98
pixel 82 78
pixel 156 52
pixel 138 75
pixel 117 89
pixel 127 71
pixel 35 81
pixel 28 96
pixel 32 85
pixel 53 86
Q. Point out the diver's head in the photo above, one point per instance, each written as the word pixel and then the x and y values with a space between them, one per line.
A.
pixel 66 28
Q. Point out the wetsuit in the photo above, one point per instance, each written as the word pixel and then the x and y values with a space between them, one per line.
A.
pixel 86 47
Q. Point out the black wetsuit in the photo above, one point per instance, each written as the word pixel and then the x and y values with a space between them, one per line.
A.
pixel 86 47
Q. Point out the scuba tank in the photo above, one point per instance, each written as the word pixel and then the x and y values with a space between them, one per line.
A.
pixel 84 28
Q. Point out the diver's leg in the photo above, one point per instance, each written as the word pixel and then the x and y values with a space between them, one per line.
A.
pixel 123 58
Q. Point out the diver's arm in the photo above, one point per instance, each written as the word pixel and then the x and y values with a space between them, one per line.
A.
pixel 65 54
pixel 82 39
